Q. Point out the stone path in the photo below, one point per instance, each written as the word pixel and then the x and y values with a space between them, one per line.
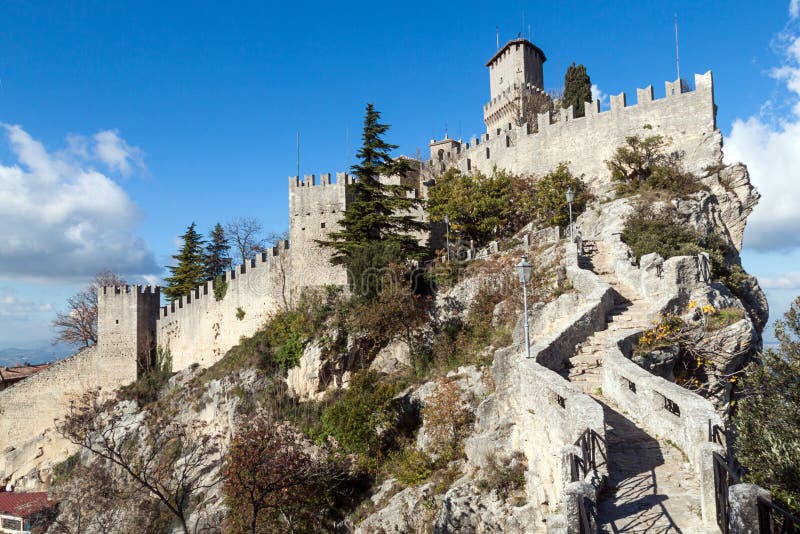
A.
pixel 651 486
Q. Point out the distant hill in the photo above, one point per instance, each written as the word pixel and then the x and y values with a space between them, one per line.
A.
pixel 12 356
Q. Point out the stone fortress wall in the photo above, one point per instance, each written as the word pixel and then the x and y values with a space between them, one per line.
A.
pixel 687 118
pixel 199 329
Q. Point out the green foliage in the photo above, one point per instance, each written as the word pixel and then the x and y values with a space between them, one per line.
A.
pixel 648 230
pixel 480 207
pixel 217 258
pixel 410 466
pixel 220 287
pixel 240 313
pixel 190 271
pixel 724 317
pixel 549 203
pixel 577 89
pixel 642 165
pixel 378 211
pixel 368 266
pixel 279 344
pixel 146 388
pixel 768 416
pixel 62 471
pixel 360 418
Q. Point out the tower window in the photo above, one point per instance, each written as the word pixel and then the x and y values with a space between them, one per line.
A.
pixel 508 141
pixel 487 152
pixel 469 164
pixel 322 225
pixel 117 321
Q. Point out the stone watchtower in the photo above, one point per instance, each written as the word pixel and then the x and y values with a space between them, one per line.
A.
pixel 126 327
pixel 514 71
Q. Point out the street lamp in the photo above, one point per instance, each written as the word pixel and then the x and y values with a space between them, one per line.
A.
pixel 447 234
pixel 524 269
pixel 570 198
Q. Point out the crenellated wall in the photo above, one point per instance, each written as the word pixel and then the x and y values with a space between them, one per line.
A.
pixel 199 329
pixel 687 118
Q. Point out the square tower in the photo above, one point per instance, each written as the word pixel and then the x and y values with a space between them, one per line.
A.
pixel 515 69
pixel 518 63
pixel 126 327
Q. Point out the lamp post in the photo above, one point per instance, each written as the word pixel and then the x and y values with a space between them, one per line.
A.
pixel 570 198
pixel 447 234
pixel 524 269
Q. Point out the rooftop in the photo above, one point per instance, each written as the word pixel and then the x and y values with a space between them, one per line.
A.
pixel 13 374
pixel 24 504
pixel 520 40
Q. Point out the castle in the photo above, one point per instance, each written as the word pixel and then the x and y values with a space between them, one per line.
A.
pixel 199 329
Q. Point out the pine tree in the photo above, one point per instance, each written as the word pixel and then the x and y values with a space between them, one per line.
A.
pixel 577 89
pixel 378 212
pixel 190 271
pixel 217 255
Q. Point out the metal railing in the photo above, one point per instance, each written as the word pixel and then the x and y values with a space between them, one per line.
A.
pixel 724 477
pixel 773 519
pixel 593 455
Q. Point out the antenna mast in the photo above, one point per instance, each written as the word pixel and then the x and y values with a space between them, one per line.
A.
pixel 677 57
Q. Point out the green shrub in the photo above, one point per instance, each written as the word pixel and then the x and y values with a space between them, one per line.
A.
pixel 146 388
pixel 410 466
pixel 648 230
pixel 62 471
pixel 360 419
pixel 549 204
pixel 220 287
pixel 239 313
pixel 644 164
pixel 724 317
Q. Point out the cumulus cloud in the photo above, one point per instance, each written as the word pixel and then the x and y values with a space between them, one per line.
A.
pixel 769 144
pixel 62 219
pixel 794 9
pixel 600 96
pixel 118 155
pixel 789 280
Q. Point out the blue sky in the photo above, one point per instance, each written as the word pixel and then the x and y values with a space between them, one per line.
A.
pixel 140 118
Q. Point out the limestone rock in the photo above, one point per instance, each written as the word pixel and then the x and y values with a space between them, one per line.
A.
pixel 306 380
pixel 660 362
pixel 392 358
pixel 410 510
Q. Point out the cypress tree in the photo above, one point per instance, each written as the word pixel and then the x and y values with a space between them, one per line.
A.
pixel 217 257
pixel 190 270
pixel 577 89
pixel 379 212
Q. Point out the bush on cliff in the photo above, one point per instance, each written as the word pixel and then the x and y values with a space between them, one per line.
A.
pixel 642 165
pixel 649 230
pixel 549 202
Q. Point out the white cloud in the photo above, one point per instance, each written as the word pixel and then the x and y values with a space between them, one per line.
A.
pixel 794 9
pixel 788 280
pixel 769 144
pixel 13 307
pixel 599 95
pixel 61 219
pixel 118 155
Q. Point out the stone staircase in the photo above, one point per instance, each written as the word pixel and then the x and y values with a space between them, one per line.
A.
pixel 651 485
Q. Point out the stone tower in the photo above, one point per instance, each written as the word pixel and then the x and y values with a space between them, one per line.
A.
pixel 514 70
pixel 126 326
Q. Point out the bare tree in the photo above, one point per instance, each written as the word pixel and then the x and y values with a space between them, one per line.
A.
pixel 246 235
pixel 78 325
pixel 176 464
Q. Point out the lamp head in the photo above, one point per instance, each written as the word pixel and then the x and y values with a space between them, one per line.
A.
pixel 570 195
pixel 524 269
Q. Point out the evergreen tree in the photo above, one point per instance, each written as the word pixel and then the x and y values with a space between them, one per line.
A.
pixel 217 257
pixel 577 89
pixel 190 271
pixel 378 212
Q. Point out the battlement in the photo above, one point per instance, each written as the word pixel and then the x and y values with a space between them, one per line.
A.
pixel 237 276
pixel 685 116
pixel 510 92
pixel 310 180
pixel 127 289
